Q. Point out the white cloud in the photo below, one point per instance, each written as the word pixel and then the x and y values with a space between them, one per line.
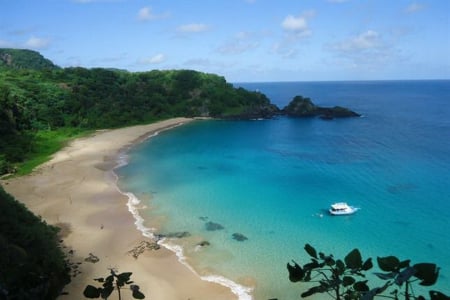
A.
pixel 156 59
pixel 285 50
pixel 364 41
pixel 146 14
pixel 298 26
pixel 413 7
pixel 37 43
pixel 366 50
pixel 193 28
pixel 241 42
pixel 292 23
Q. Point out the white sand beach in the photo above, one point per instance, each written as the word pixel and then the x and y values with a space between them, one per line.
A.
pixel 76 191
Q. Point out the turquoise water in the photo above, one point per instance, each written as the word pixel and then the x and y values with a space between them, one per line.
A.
pixel 273 180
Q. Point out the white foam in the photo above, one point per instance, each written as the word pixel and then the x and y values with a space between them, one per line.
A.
pixel 242 292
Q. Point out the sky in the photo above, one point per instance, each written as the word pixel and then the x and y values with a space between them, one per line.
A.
pixel 242 40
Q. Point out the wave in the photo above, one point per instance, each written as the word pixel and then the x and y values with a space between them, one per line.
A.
pixel 242 292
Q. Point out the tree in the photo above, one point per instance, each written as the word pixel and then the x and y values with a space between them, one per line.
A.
pixel 346 279
pixel 110 283
pixel 32 263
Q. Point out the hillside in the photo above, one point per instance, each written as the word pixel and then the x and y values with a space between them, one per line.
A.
pixel 24 59
pixel 32 262
pixel 38 97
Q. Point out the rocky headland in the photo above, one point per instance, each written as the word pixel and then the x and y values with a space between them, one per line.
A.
pixel 304 107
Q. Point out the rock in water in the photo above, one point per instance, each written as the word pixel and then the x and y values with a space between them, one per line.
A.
pixel 211 226
pixel 239 237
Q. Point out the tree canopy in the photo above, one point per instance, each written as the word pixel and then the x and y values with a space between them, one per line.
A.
pixel 31 262
pixel 36 95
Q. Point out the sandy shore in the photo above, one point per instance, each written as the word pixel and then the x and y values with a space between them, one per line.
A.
pixel 76 191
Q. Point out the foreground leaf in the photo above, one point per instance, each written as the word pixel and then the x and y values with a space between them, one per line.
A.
pixel 106 292
pixel 296 272
pixel 426 272
pixel 385 276
pixel 348 280
pixel 361 286
pixel 310 250
pixel 91 292
pixel 373 292
pixel 367 264
pixel 353 260
pixel 435 295
pixel 314 290
pixel 388 263
pixel 340 267
pixel 136 293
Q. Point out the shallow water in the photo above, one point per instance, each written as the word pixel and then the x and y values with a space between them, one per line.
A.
pixel 273 180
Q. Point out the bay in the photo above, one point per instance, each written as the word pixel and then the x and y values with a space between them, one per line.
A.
pixel 272 181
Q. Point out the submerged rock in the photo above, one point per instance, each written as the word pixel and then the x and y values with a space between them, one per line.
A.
pixel 142 247
pixel 204 244
pixel 211 226
pixel 178 235
pixel 239 237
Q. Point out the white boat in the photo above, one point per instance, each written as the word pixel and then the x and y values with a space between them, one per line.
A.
pixel 342 208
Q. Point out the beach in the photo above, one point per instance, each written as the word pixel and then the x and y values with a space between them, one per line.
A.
pixel 76 191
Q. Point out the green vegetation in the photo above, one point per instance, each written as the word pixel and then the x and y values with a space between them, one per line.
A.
pixel 37 98
pixel 110 283
pixel 24 59
pixel 346 279
pixel 46 143
pixel 31 262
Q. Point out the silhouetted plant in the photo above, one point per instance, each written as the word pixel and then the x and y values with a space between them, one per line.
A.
pixel 346 279
pixel 110 283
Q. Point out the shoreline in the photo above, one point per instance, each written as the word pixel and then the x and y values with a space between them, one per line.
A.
pixel 76 190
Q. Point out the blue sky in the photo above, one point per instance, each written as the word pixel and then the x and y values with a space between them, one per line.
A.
pixel 243 40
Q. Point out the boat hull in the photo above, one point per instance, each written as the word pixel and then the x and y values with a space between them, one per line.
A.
pixel 343 213
pixel 342 209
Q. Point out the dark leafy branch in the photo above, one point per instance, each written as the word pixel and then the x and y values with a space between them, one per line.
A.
pixel 110 283
pixel 347 279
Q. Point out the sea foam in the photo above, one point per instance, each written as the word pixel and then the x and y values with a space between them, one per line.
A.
pixel 242 292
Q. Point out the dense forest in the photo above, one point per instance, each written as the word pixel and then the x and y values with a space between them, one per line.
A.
pixel 32 264
pixel 37 97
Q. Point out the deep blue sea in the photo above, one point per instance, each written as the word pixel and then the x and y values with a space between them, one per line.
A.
pixel 273 180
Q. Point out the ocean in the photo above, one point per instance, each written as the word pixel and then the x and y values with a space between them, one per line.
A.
pixel 246 196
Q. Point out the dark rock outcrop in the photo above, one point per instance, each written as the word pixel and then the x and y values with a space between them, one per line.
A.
pixel 239 237
pixel 211 226
pixel 304 107
pixel 172 235
pixel 262 111
pixel 204 244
